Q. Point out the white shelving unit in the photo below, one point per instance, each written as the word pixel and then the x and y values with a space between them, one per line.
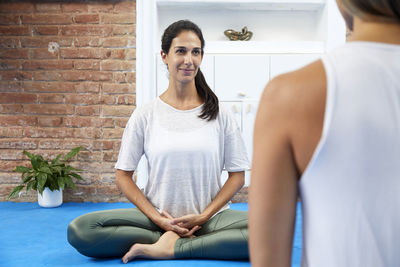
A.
pixel 264 47
pixel 287 34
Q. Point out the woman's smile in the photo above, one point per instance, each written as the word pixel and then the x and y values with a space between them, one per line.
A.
pixel 187 71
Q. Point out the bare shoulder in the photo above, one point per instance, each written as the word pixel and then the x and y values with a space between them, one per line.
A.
pixel 296 89
pixel 293 106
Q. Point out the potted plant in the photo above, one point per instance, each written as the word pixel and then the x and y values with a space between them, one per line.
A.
pixel 47 177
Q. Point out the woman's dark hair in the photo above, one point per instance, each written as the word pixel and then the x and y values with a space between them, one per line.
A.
pixel 210 107
pixel 381 10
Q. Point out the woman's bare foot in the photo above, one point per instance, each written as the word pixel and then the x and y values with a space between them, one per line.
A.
pixel 162 249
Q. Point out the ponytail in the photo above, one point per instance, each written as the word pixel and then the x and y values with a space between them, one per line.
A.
pixel 210 107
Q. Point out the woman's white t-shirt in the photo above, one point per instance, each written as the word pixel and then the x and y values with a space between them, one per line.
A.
pixel 186 154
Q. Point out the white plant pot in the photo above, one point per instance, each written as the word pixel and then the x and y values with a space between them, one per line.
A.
pixel 50 199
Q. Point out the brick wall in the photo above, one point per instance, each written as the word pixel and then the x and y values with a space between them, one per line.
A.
pixel 67 79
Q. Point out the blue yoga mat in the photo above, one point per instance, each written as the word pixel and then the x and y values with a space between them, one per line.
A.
pixel 35 236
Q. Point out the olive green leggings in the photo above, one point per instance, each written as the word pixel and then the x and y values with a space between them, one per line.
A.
pixel 111 233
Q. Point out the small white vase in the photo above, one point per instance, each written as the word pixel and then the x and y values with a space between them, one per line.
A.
pixel 50 199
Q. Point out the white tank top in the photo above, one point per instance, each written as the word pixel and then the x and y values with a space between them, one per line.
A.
pixel 350 190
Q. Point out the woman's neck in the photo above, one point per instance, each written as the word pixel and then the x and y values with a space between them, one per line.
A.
pixel 372 31
pixel 181 96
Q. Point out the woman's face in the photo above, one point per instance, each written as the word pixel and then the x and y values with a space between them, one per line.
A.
pixel 184 57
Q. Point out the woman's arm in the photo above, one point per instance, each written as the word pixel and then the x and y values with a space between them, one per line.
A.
pixel 135 195
pixel 274 177
pixel 232 185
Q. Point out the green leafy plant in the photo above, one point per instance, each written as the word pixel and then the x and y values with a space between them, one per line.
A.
pixel 44 173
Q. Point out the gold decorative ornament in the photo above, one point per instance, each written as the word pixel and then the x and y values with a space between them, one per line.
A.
pixel 244 35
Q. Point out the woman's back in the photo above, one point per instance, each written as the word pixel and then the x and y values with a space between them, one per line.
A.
pixel 350 190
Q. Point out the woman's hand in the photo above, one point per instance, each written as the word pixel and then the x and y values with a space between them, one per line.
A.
pixel 189 221
pixel 168 224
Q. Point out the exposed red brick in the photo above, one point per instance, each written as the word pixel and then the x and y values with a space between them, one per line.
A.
pixel 57 109
pixel 119 77
pixel 82 99
pixel 117 111
pixel 11 132
pixel 86 76
pixel 36 132
pixel 10 86
pixel 46 75
pixel 118 18
pixel 51 143
pixel 87 110
pixel 10 64
pixel 46 19
pixel 107 178
pixel 90 156
pixel 18 98
pixel 117 145
pixel 37 41
pixel 86 30
pixel 48 65
pixel 8 166
pixel 88 122
pixel 18 144
pixel 87 64
pixel 45 30
pixel 85 133
pixel 110 156
pixel 51 98
pixel 9 42
pixel 74 7
pixel 87 41
pixel 126 99
pixel 103 145
pixel 125 6
pixel 14 30
pixel 100 7
pixel 11 108
pixel 117 65
pixel 121 122
pixel 17 120
pixel 119 30
pixel 72 143
pixel 9 177
pixel 43 53
pixel 87 87
pixel 118 88
pixel 16 7
pixel 50 121
pixel 82 53
pixel 9 19
pixel 49 87
pixel 115 42
pixel 131 77
pixel 117 54
pixel 113 133
pixel 130 53
pixel 12 75
pixel 48 7
pixel 43 42
pixel 107 189
pixel 109 99
pixel 14 53
pixel 87 18
pixel 241 196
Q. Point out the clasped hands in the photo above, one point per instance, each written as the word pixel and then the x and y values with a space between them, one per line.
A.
pixel 184 226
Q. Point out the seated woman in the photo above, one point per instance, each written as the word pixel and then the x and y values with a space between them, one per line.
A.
pixel 187 139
